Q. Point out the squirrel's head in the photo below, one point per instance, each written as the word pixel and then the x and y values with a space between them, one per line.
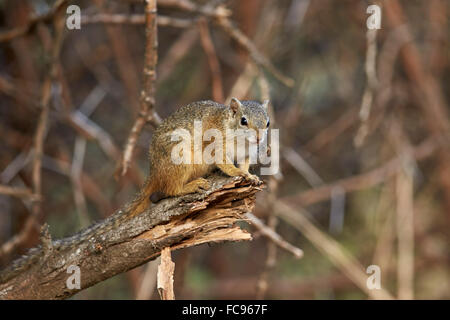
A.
pixel 251 117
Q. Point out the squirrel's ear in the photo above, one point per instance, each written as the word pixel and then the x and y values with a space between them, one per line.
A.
pixel 265 104
pixel 235 105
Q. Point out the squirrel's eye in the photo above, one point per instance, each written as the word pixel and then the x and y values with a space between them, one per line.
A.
pixel 268 123
pixel 244 121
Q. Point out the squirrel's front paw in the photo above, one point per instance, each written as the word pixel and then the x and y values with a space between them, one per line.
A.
pixel 202 183
pixel 251 177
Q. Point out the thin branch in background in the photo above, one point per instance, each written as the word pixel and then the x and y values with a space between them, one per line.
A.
pixel 330 132
pixel 387 58
pixel 270 234
pixel 148 283
pixel 137 19
pixel 213 61
pixel 92 101
pixel 75 175
pixel 330 248
pixel 41 130
pixel 296 14
pixel 367 179
pixel 265 94
pixel 81 117
pixel 102 74
pixel 91 130
pixel 9 246
pixel 404 191
pixel 430 96
pixel 126 65
pixel 21 95
pixel 6 176
pixel 255 54
pixel 405 233
pixel 32 220
pixel 90 187
pixel 179 49
pixel 302 167
pixel 437 35
pixel 207 10
pixel 337 194
pixel 337 210
pixel 383 252
pixel 147 112
pixel 23 30
pixel 371 86
pixel 263 280
pixel 244 82
pixel 14 167
pixel 165 276
pixel 303 288
pixel 7 88
pixel 23 193
pixel 220 15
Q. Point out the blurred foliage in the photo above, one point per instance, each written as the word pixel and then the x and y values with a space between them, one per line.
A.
pixel 322 46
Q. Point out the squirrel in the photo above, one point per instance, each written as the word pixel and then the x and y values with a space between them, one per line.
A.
pixel 169 179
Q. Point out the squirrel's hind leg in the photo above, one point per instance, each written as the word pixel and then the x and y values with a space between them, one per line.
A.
pixel 184 184
pixel 195 186
pixel 191 187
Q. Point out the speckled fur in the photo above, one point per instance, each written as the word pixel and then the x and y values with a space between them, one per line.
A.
pixel 170 179
pixel 166 178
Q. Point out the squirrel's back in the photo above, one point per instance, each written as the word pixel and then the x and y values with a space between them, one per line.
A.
pixel 185 116
pixel 165 176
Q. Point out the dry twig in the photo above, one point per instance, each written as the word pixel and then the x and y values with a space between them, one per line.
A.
pixel 213 61
pixel 220 15
pixel 165 276
pixel 273 236
pixel 23 30
pixel 119 18
pixel 331 249
pixel 23 193
pixel 430 96
pixel 364 180
pixel 147 112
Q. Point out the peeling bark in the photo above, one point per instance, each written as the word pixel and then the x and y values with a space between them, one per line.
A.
pixel 177 223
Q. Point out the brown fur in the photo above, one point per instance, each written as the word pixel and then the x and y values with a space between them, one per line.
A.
pixel 167 178
pixel 170 179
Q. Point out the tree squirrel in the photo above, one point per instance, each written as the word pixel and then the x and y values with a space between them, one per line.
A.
pixel 167 178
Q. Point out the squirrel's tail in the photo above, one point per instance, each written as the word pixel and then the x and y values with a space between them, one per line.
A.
pixel 142 200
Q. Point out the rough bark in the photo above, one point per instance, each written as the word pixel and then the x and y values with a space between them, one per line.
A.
pixel 178 222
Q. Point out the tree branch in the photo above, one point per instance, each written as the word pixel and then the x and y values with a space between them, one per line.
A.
pixel 177 222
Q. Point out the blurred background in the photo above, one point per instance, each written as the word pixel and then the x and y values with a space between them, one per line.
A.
pixel 364 132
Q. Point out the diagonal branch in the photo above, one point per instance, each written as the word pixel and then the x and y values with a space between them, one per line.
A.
pixel 134 19
pixel 220 16
pixel 147 112
pixel 337 254
pixel 24 30
pixel 177 223
pixel 273 236
pixel 18 192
